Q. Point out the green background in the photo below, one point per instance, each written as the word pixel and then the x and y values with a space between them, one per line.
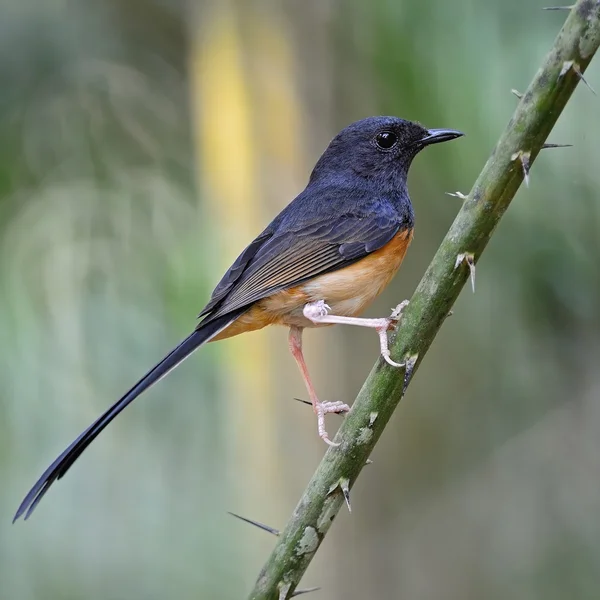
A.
pixel 485 485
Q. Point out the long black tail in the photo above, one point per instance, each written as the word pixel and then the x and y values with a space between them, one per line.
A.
pixel 62 464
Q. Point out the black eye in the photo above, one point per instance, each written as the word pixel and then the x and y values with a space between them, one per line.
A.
pixel 386 140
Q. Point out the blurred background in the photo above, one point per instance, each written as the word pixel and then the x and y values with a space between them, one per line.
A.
pixel 143 143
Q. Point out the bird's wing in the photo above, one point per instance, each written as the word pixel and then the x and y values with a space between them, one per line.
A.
pixel 298 249
pixel 234 272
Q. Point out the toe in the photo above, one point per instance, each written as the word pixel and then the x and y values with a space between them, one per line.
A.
pixel 334 407
pixel 397 312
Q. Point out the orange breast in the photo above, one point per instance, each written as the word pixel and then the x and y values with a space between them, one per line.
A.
pixel 350 290
pixel 347 291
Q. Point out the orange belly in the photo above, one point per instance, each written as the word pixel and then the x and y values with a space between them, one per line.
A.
pixel 347 291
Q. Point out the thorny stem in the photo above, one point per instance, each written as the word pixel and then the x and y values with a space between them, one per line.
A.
pixel 510 162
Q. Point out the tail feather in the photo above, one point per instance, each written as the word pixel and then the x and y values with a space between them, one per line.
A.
pixel 62 464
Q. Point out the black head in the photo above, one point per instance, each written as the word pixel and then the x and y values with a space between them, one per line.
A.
pixel 377 148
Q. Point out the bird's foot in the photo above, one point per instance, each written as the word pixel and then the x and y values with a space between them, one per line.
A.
pixel 385 350
pixel 317 312
pixel 323 408
pixel 392 322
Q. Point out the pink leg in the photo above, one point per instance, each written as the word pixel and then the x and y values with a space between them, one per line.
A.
pixel 320 408
pixel 317 312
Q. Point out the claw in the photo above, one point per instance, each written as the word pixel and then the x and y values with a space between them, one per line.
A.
pixel 389 361
pixel 384 349
pixel 397 312
pixel 326 439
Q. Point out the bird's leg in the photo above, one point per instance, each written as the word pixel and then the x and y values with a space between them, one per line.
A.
pixel 320 408
pixel 317 312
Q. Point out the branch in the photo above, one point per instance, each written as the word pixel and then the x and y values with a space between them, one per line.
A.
pixel 454 262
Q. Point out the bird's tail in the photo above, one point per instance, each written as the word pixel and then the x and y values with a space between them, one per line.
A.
pixel 203 334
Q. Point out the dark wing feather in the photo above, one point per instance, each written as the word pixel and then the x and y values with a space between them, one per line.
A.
pixel 234 272
pixel 296 249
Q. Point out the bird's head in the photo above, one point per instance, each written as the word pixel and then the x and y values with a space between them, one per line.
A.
pixel 380 149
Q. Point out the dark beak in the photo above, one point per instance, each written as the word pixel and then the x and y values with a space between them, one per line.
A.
pixel 435 136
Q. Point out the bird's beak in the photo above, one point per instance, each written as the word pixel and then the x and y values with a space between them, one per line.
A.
pixel 435 136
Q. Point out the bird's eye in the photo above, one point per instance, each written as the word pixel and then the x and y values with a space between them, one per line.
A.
pixel 386 140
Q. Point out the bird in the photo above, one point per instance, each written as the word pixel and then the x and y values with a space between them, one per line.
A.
pixel 321 261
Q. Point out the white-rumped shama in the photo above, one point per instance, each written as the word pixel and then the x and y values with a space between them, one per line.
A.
pixel 321 261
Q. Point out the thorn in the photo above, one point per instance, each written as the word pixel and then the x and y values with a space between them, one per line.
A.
pixel 457 195
pixel 558 7
pixel 518 94
pixel 284 588
pixel 565 68
pixel 256 524
pixel 305 591
pixel 345 487
pixel 524 157
pixel 577 70
pixel 410 362
pixel 571 64
pixel 546 146
pixel 309 403
pixel 303 401
pixel 469 259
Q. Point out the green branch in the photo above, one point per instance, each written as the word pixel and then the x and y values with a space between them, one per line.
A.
pixel 536 114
